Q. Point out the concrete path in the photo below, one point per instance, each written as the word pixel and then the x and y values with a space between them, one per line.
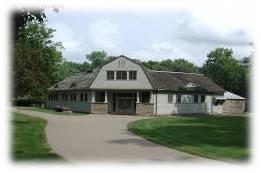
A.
pixel 104 138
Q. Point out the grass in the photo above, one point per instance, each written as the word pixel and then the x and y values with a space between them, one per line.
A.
pixel 28 139
pixel 52 111
pixel 220 138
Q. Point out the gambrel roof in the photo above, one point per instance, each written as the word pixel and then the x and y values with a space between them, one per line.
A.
pixel 159 80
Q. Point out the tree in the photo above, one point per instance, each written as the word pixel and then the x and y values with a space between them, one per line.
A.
pixel 224 69
pixel 97 58
pixel 20 18
pixel 36 61
pixel 177 65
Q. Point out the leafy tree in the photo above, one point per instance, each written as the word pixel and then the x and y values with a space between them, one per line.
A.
pixel 224 69
pixel 97 58
pixel 36 61
pixel 20 18
pixel 178 65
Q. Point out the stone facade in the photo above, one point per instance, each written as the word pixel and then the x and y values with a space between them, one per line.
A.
pixel 99 108
pixel 233 106
pixel 144 108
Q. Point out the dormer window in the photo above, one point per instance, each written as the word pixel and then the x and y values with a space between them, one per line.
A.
pixel 110 75
pixel 121 75
pixel 132 75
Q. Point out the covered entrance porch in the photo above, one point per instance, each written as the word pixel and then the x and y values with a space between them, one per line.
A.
pixel 122 102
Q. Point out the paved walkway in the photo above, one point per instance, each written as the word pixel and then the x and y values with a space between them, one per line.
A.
pixel 104 138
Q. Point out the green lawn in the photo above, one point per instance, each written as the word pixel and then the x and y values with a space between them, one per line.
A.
pixel 28 139
pixel 221 138
pixel 52 111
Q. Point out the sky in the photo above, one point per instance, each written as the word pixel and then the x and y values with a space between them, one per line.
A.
pixel 150 35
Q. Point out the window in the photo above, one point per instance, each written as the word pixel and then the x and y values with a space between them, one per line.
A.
pixel 178 98
pixel 110 75
pixel 65 97
pixel 99 96
pixel 71 97
pixel 74 97
pixel 81 97
pixel 195 98
pixel 170 98
pixel 203 97
pixel 145 97
pixel 86 97
pixel 56 96
pixel 121 75
pixel 132 75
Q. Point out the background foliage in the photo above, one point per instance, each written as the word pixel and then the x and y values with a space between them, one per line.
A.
pixel 38 62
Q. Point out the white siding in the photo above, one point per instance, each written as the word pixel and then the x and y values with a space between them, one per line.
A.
pixel 101 81
pixel 187 106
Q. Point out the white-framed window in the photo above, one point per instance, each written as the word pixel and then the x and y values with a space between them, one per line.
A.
pixel 170 97
pixel 81 97
pixel 132 75
pixel 86 97
pixel 202 98
pixel 121 75
pixel 99 96
pixel 110 75
pixel 145 97
pixel 195 98
pixel 178 98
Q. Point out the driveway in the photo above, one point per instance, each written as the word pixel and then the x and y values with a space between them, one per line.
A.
pixel 104 138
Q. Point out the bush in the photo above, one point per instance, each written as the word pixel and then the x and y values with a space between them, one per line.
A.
pixel 26 102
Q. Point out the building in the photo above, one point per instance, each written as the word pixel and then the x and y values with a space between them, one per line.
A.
pixel 123 86
pixel 232 103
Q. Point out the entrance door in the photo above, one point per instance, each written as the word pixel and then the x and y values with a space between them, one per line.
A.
pixel 125 105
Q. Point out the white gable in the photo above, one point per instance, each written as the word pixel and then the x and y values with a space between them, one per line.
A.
pixel 121 64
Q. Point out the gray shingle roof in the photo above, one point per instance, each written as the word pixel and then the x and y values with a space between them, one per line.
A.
pixel 160 80
pixel 178 81
pixel 76 81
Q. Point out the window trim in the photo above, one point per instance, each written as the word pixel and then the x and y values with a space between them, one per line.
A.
pixel 195 98
pixel 204 96
pixel 81 97
pixel 85 97
pixel 131 72
pixel 170 97
pixel 120 71
pixel 99 96
pixel 113 76
pixel 142 97
pixel 178 98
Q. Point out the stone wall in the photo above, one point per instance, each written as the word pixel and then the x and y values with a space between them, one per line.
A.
pixel 99 108
pixel 144 108
pixel 233 106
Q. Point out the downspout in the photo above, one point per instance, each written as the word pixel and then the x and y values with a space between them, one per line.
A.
pixel 211 108
pixel 156 110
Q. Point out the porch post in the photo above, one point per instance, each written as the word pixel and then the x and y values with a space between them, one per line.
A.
pixel 138 97
pixel 151 97
pixel 106 99
pixel 93 92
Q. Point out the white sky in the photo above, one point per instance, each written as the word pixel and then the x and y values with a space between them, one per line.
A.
pixel 188 33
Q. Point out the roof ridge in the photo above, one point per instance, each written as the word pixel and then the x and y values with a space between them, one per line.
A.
pixel 174 72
